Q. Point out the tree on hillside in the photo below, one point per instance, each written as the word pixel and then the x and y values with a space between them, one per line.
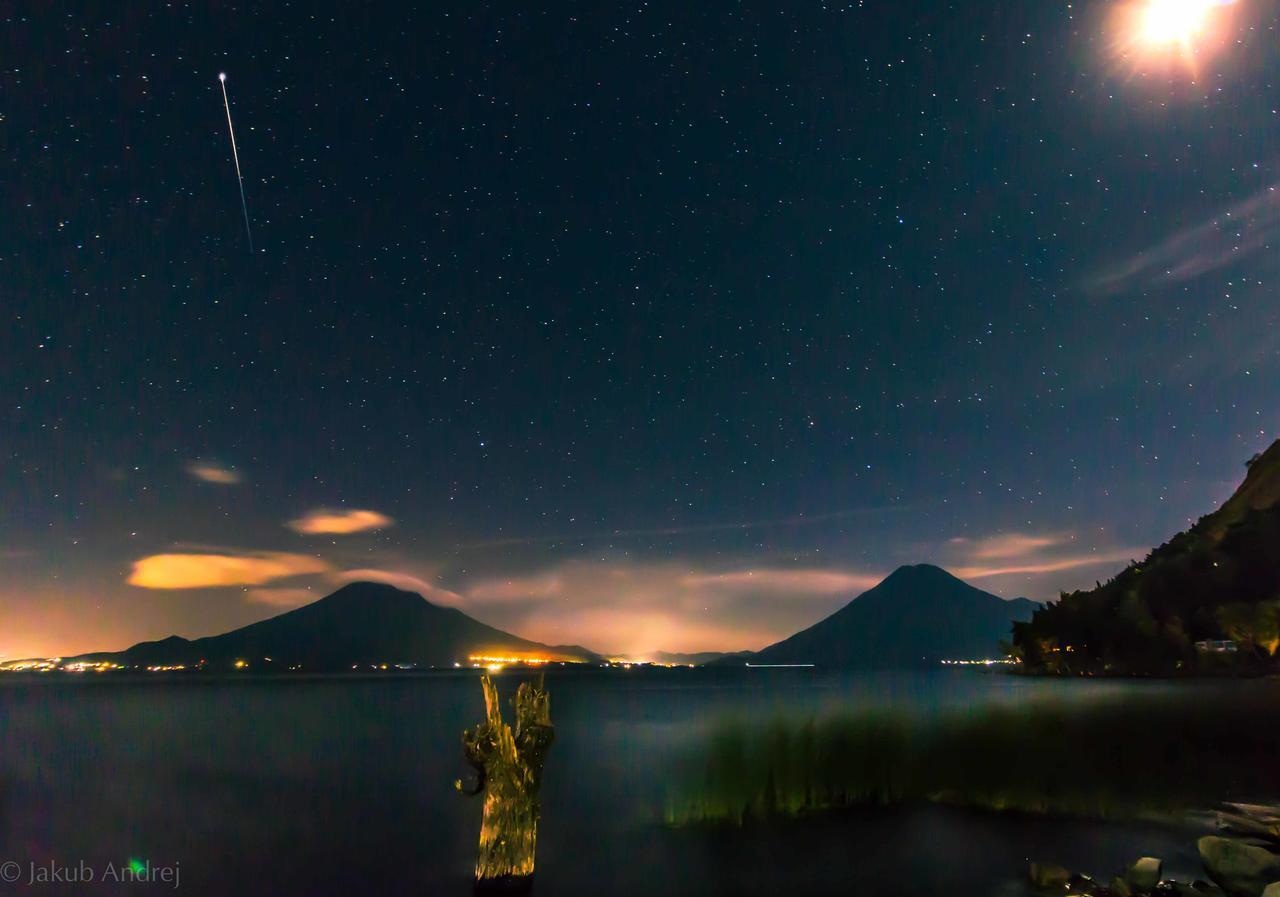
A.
pixel 1256 627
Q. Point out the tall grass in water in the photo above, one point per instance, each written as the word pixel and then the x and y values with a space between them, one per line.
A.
pixel 1110 758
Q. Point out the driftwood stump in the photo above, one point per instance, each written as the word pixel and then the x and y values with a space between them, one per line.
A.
pixel 508 767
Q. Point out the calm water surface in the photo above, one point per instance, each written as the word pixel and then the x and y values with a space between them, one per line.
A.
pixel 345 786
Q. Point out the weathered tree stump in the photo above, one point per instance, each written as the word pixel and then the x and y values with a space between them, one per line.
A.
pixel 508 767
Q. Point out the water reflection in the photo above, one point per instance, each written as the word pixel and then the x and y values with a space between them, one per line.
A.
pixel 344 786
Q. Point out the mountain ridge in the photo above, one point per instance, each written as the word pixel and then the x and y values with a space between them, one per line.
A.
pixel 362 623
pixel 917 616
pixel 1218 581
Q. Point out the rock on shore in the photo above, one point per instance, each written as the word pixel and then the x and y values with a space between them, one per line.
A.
pixel 1239 867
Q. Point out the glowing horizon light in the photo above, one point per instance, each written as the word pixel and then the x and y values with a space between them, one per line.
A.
pixel 485 659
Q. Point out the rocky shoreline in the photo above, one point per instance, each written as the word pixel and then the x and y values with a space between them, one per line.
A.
pixel 1245 862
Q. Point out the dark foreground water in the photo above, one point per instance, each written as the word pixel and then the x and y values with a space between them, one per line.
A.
pixel 345 786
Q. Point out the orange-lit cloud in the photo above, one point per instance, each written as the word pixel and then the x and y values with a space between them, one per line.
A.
pixel 213 472
pixel 202 571
pixel 323 520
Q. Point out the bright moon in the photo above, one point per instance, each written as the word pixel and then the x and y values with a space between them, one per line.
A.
pixel 1174 21
pixel 1181 30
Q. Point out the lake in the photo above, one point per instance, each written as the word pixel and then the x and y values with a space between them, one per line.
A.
pixel 344 785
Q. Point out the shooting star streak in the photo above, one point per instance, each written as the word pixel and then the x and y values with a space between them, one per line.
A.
pixel 222 79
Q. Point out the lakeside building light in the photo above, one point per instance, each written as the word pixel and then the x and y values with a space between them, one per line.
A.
pixel 478 660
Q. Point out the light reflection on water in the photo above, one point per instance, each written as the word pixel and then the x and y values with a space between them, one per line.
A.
pixel 344 785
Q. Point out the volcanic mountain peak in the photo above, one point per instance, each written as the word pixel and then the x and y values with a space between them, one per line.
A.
pixel 361 623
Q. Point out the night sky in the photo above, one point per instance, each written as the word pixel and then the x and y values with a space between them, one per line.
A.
pixel 659 326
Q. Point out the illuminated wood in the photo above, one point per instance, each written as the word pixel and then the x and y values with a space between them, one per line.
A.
pixel 509 766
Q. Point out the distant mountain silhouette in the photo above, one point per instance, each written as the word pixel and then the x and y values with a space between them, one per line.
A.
pixel 1219 580
pixel 916 617
pixel 360 624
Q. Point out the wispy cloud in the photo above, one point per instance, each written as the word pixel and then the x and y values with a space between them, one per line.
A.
pixel 643 631
pixel 611 535
pixel 1030 554
pixel 1233 235
pixel 326 521
pixel 1093 559
pixel 634 606
pixel 520 588
pixel 202 571
pixel 213 472
pixel 1007 545
pixel 283 597
pixel 409 582
pixel 785 581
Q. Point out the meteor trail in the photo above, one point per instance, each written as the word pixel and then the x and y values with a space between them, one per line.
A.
pixel 222 79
